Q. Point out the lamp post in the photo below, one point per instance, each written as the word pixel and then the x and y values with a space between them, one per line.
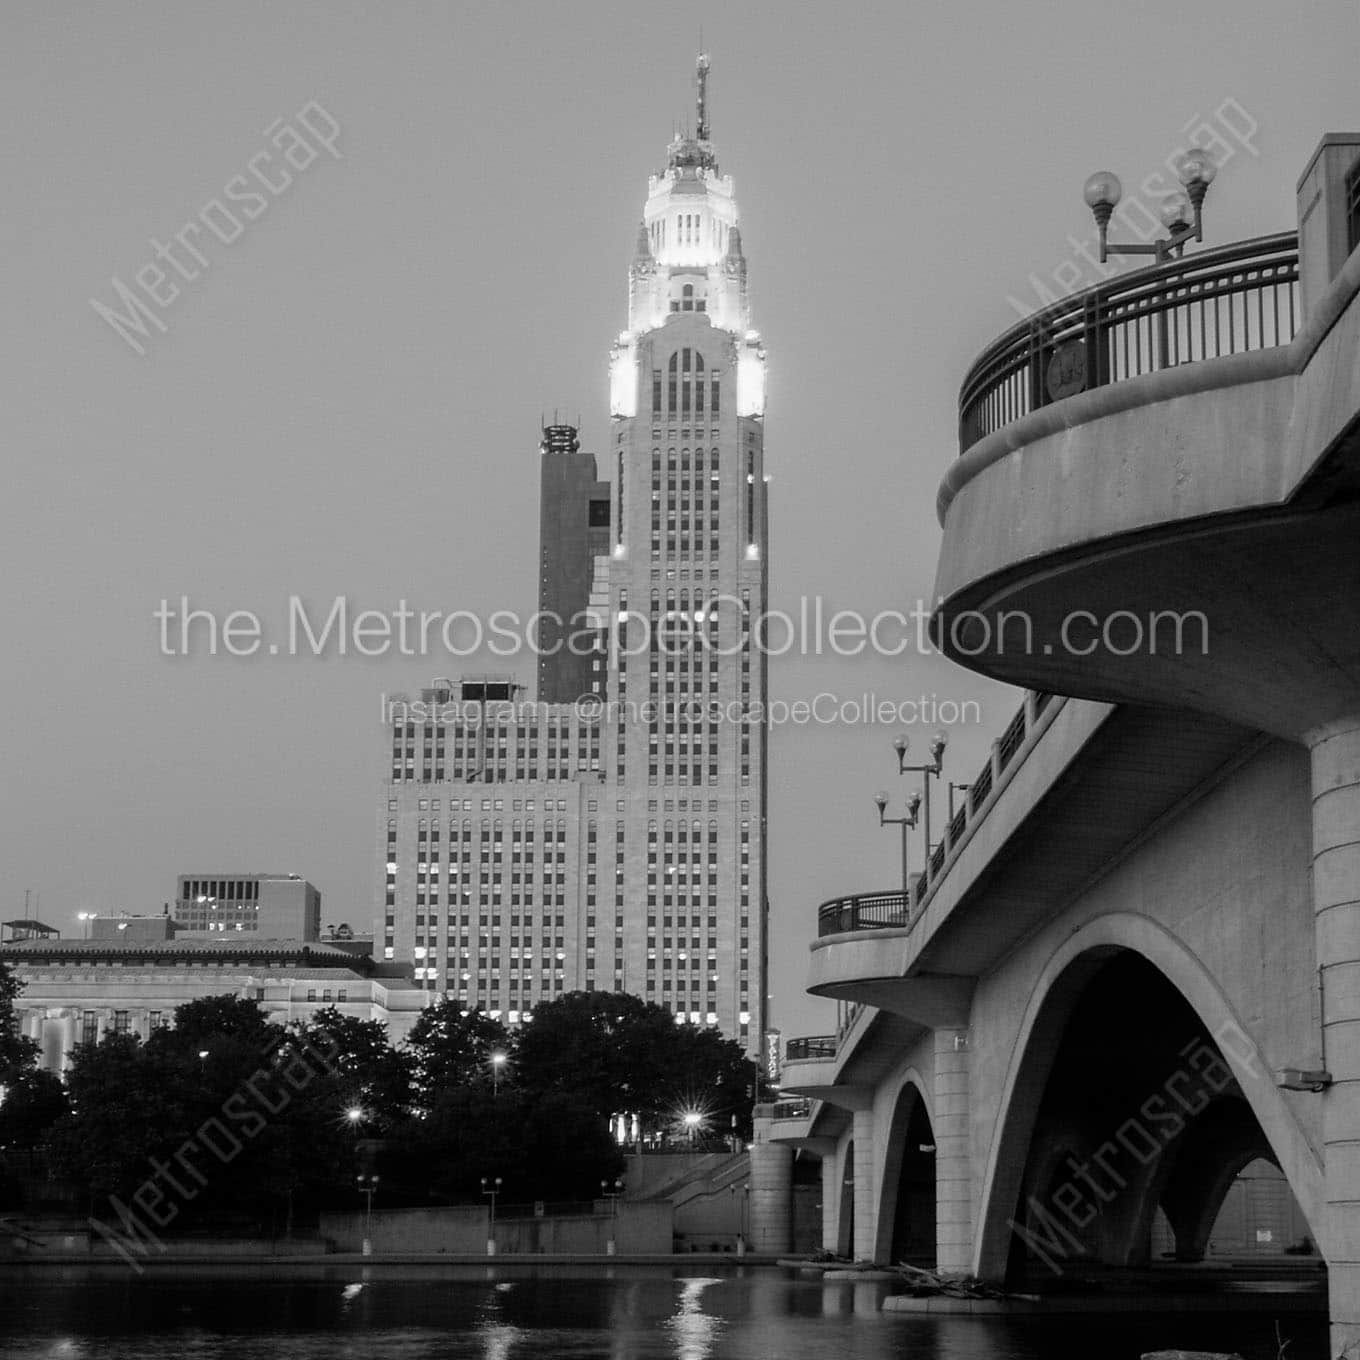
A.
pixel 498 1061
pixel 85 917
pixel 611 1191
pixel 742 1204
pixel 1180 212
pixel 692 1120
pixel 495 1189
pixel 367 1182
pixel 927 772
pixel 906 823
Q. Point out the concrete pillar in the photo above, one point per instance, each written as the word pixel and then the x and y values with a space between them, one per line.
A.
pixel 831 1201
pixel 953 1155
pixel 69 1035
pixel 1335 752
pixel 771 1225
pixel 33 1025
pixel 866 1193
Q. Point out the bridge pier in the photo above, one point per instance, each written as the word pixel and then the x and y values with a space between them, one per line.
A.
pixel 771 1227
pixel 866 1192
pixel 953 1155
pixel 1335 753
pixel 831 1198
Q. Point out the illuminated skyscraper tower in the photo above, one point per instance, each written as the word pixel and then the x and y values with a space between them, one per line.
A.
pixel 528 850
pixel 688 576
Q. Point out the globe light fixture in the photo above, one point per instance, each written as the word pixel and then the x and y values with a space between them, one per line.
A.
pixel 1180 212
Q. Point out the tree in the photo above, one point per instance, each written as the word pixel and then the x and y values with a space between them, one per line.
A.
pixel 557 1148
pixel 212 1020
pixel 451 1048
pixel 17 1051
pixel 126 1107
pixel 366 1073
pixel 619 1054
pixel 33 1102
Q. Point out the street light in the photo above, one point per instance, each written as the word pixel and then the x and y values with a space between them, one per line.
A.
pixel 611 1192
pixel 1180 212
pixel 498 1061
pixel 355 1115
pixel 906 823
pixel 691 1120
pixel 491 1194
pixel 932 770
pixel 367 1182
pixel 742 1205
pixel 85 917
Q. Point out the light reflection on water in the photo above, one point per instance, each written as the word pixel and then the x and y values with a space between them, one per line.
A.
pixel 618 1312
pixel 693 1331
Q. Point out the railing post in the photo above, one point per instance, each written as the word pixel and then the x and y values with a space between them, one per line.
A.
pixel 996 765
pixel 1036 363
pixel 1029 711
pixel 1093 329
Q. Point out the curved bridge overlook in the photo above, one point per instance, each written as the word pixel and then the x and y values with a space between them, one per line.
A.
pixel 1120 1011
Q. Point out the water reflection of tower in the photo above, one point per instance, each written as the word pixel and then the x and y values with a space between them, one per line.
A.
pixel 497 1336
pixel 693 1331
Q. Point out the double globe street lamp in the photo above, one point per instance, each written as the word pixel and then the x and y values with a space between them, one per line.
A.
pixel 1180 212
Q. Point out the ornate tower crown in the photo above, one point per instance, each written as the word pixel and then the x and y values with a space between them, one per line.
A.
pixel 688 254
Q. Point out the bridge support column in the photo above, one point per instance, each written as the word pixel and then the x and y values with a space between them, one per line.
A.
pixel 953 1155
pixel 771 1226
pixel 1335 752
pixel 866 1193
pixel 831 1201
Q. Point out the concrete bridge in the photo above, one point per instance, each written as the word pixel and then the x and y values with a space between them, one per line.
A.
pixel 1132 968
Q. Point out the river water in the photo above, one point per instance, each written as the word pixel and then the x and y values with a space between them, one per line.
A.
pixel 509 1312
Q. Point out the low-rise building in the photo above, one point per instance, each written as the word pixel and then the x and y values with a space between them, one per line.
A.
pixel 75 991
pixel 275 906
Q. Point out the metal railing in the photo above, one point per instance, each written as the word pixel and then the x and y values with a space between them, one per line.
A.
pixel 1227 301
pixel 812 1046
pixel 862 911
pixel 879 911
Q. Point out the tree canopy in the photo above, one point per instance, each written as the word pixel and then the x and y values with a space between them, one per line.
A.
pixel 273 1118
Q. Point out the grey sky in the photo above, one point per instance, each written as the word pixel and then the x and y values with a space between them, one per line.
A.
pixel 346 400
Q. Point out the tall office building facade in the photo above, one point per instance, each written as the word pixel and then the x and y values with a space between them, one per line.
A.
pixel 527 849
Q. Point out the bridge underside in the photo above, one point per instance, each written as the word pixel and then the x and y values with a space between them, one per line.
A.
pixel 1140 1112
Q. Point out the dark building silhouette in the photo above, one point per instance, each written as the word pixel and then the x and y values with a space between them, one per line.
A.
pixel 573 530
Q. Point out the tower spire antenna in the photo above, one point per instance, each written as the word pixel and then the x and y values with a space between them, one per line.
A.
pixel 701 66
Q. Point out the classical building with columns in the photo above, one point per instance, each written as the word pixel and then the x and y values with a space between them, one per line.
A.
pixel 75 991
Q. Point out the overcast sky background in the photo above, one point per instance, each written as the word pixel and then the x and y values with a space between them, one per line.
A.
pixel 347 399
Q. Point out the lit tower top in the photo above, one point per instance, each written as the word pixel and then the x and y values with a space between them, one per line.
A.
pixel 688 254
pixel 688 258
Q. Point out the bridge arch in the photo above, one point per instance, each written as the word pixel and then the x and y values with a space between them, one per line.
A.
pixel 1059 989
pixel 906 1185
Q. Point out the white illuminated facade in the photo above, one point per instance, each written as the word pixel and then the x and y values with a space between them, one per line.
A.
pixel 626 850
